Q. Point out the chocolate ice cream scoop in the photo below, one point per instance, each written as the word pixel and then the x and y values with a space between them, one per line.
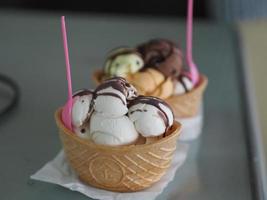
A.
pixel 162 55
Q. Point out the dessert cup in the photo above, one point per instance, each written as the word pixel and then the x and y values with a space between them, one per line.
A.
pixel 126 168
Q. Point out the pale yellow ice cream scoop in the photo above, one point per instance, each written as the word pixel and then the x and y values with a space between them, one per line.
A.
pixel 122 62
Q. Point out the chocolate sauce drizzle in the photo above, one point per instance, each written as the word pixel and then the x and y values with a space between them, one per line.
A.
pixel 115 83
pixel 137 110
pixel 83 92
pixel 180 79
pixel 120 84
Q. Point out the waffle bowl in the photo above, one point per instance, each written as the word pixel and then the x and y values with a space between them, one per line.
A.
pixel 183 106
pixel 122 169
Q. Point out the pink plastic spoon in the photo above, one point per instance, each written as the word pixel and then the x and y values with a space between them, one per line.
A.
pixel 66 113
pixel 193 71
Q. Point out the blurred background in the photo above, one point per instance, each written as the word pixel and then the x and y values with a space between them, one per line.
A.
pixel 220 10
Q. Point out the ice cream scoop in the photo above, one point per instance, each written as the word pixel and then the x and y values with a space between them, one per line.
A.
pixel 112 131
pixel 81 107
pixel 183 84
pixel 123 61
pixel 150 115
pixel 162 55
pixel 164 90
pixel 151 82
pixel 146 81
pixel 81 112
pixel 111 97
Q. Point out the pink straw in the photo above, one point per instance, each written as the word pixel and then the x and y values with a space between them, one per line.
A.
pixel 194 74
pixel 66 114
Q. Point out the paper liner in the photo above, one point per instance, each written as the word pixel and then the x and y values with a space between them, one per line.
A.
pixel 123 169
pixel 185 105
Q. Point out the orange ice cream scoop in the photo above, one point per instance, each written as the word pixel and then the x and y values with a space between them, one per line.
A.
pixel 146 81
pixel 164 90
pixel 152 82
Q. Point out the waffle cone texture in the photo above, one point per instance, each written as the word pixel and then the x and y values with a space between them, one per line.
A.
pixel 183 106
pixel 123 169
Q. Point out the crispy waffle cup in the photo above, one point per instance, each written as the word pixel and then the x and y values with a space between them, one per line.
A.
pixel 183 106
pixel 126 168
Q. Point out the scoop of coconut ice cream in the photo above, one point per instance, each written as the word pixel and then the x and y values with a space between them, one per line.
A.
pixel 112 131
pixel 80 112
pixel 150 115
pixel 111 97
pixel 81 107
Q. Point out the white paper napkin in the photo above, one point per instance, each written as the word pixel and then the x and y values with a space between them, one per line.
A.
pixel 59 172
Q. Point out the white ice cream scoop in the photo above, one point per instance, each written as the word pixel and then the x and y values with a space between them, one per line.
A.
pixel 112 131
pixel 81 111
pixel 111 97
pixel 183 85
pixel 150 115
